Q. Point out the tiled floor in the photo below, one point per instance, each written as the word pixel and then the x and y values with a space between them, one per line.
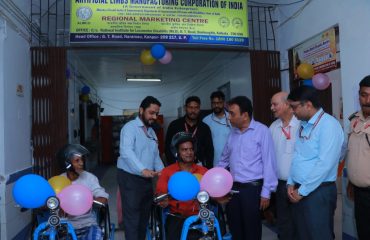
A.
pixel 108 180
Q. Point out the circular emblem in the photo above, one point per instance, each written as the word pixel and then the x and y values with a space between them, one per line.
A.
pixel 224 22
pixel 84 13
pixel 237 23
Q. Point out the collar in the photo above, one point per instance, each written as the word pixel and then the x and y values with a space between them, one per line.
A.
pixel 312 119
pixel 360 114
pixel 192 170
pixel 292 123
pixel 138 122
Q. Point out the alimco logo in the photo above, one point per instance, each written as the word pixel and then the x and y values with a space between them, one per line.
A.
pixel 84 13
pixel 237 23
pixel 224 22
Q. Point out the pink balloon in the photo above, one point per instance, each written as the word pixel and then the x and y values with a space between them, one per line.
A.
pixel 75 199
pixel 166 58
pixel 217 182
pixel 321 81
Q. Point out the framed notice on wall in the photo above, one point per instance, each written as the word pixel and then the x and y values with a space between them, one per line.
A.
pixel 213 22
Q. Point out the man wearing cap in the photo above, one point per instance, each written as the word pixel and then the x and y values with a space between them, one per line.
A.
pixel 182 147
pixel 358 158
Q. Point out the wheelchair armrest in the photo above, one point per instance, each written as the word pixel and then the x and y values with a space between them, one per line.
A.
pixel 98 204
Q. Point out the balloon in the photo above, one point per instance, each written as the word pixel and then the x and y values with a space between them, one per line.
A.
pixel 166 58
pixel 146 58
pixel 58 183
pixel 305 71
pixel 85 90
pixel 183 186
pixel 76 199
pixel 158 51
pixel 85 97
pixel 217 182
pixel 321 81
pixel 32 191
pixel 198 176
pixel 307 82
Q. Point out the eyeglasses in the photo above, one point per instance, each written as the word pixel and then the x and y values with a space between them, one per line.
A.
pixel 295 106
pixel 314 125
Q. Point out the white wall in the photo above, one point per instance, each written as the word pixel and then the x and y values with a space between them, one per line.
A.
pixel 15 125
pixel 352 18
pixel 226 67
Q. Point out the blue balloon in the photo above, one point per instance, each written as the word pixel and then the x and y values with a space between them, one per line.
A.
pixel 32 191
pixel 85 90
pixel 307 82
pixel 183 186
pixel 158 51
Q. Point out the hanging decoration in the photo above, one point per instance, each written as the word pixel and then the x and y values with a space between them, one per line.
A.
pixel 305 71
pixel 156 52
pixel 321 81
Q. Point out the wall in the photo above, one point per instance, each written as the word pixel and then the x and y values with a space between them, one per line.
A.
pixel 15 125
pixel 226 67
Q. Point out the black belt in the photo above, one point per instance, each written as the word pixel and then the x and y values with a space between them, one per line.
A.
pixel 323 184
pixel 255 183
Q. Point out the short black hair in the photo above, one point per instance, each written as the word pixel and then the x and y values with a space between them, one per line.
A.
pixel 149 100
pixel 244 104
pixel 304 94
pixel 218 94
pixel 192 99
pixel 365 82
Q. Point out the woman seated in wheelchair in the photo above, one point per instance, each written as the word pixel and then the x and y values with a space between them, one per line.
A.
pixel 72 157
pixel 182 146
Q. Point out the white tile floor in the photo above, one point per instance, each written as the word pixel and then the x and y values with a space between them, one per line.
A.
pixel 109 182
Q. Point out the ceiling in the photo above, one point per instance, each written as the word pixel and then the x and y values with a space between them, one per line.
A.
pixel 107 68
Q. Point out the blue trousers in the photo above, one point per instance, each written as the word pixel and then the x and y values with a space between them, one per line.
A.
pixel 314 214
pixel 243 212
pixel 284 213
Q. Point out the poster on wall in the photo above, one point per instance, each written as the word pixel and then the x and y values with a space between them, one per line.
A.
pixel 319 51
pixel 211 22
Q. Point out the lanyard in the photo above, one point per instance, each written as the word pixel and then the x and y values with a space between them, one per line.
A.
pixel 286 133
pixel 187 130
pixel 148 135
pixel 314 125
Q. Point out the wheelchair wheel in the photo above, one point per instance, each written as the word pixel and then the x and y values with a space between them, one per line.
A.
pixel 154 231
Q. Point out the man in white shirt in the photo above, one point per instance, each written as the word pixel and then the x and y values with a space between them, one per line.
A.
pixel 284 131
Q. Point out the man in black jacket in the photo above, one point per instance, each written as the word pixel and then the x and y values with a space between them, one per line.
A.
pixel 191 123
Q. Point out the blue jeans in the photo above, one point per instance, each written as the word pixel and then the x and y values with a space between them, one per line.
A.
pixel 314 214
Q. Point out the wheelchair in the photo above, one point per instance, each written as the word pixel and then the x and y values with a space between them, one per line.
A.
pixel 50 225
pixel 206 221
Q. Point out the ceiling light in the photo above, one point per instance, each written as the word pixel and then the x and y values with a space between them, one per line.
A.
pixel 143 78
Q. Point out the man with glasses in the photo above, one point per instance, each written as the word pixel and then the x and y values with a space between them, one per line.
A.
pixel 358 188
pixel 311 182
pixel 218 123
pixel 137 164
pixel 191 123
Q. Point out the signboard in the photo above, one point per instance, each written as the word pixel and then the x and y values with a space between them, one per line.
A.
pixel 320 51
pixel 222 22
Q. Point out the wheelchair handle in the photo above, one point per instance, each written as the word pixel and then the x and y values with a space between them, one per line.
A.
pixel 160 198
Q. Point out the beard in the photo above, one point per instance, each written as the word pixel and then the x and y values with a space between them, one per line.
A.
pixel 147 122
pixel 217 110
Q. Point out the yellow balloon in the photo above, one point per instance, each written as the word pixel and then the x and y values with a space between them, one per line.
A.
pixel 146 57
pixel 198 176
pixel 305 71
pixel 59 182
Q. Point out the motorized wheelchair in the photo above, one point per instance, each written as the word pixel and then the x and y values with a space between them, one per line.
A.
pixel 206 221
pixel 50 224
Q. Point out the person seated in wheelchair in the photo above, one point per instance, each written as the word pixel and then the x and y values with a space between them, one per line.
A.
pixel 72 157
pixel 182 146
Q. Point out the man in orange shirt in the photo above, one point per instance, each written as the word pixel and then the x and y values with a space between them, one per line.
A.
pixel 182 146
